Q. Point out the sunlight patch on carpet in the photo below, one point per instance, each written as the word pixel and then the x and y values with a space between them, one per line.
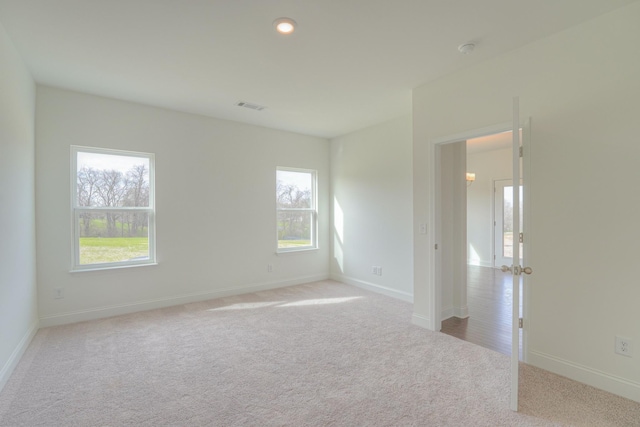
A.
pixel 247 305
pixel 319 301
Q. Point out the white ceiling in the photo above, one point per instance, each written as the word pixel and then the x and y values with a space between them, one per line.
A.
pixel 350 63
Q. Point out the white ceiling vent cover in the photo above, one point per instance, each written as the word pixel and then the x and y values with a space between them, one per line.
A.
pixel 250 106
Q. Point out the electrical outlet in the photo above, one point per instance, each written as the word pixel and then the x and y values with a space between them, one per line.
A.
pixel 58 293
pixel 624 346
pixel 379 271
pixel 269 268
pixel 423 228
pixel 374 270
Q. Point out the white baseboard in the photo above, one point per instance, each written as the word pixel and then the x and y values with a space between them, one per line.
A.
pixel 401 295
pixel 422 321
pixel 16 355
pixel 584 374
pixel 459 312
pixel 117 310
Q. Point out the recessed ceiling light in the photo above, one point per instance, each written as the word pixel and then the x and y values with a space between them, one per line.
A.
pixel 285 26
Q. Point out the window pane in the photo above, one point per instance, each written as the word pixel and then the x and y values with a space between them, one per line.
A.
pixel 113 237
pixel 294 189
pixel 112 180
pixel 294 229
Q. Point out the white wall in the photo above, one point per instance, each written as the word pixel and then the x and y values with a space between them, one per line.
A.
pixel 581 89
pixel 446 251
pixel 372 224
pixel 452 241
pixel 488 166
pixel 18 305
pixel 215 201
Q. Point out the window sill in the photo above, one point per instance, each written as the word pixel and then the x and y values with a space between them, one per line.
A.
pixel 294 251
pixel 112 267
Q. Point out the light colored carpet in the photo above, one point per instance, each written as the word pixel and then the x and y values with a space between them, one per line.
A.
pixel 321 354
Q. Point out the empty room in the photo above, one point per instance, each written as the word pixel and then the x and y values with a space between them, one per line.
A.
pixel 236 213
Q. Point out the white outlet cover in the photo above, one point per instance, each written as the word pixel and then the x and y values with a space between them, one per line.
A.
pixel 624 346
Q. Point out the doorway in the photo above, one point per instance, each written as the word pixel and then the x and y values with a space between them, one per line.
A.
pixel 486 318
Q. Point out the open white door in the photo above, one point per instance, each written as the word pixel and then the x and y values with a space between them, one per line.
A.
pixel 516 269
pixel 515 325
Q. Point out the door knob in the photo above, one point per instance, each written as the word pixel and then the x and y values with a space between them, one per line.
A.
pixel 517 270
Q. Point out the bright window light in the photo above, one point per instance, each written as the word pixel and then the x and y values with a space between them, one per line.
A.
pixel 112 197
pixel 296 209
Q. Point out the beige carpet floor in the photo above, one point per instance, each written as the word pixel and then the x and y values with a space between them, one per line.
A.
pixel 320 354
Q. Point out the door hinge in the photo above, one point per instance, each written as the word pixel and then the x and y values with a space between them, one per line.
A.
pixel 520 321
pixel 436 246
pixel 521 238
pixel 521 151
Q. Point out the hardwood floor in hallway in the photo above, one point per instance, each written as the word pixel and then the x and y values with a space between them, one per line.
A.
pixel 489 297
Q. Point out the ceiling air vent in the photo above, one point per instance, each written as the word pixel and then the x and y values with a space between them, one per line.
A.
pixel 250 106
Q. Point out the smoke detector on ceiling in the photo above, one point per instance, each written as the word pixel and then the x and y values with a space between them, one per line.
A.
pixel 466 48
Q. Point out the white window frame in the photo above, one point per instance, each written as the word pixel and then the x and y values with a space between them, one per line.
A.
pixel 76 210
pixel 313 210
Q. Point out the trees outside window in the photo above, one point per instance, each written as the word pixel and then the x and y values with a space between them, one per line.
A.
pixel 296 209
pixel 113 208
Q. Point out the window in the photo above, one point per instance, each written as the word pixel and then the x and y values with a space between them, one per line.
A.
pixel 296 206
pixel 112 198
